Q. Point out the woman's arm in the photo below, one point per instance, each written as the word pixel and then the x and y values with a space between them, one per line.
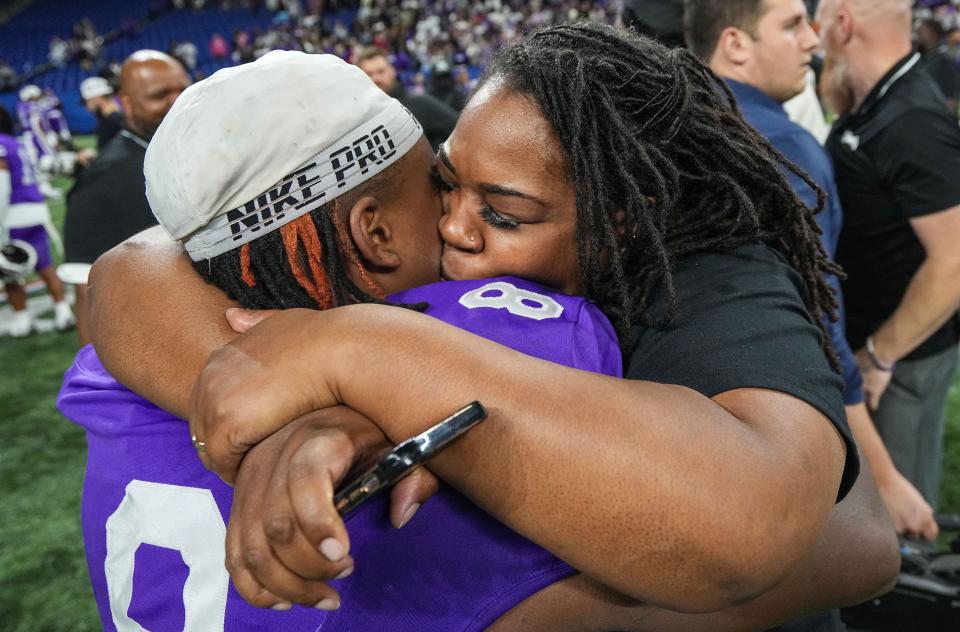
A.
pixel 856 557
pixel 837 573
pixel 153 319
pixel 654 490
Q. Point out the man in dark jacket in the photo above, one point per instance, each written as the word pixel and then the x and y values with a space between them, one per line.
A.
pixel 108 203
pixel 437 118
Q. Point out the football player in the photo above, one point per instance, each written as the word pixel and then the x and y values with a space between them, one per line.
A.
pixel 28 220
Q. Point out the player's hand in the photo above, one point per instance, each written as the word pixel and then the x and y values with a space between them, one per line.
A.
pixel 285 539
pixel 911 514
pixel 258 383
pixel 875 381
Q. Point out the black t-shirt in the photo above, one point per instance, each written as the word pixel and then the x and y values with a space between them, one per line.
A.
pixel 109 202
pixel 435 117
pixel 896 158
pixel 742 323
pixel 108 127
pixel 944 71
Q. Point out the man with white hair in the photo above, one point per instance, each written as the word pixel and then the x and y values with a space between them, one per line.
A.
pixel 896 150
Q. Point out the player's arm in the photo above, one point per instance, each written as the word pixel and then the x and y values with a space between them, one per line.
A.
pixel 153 319
pixel 654 490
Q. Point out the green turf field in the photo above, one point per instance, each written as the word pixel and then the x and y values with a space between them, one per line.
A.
pixel 43 576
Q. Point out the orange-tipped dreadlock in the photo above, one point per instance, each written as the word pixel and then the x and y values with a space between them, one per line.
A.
pixel 302 232
pixel 245 271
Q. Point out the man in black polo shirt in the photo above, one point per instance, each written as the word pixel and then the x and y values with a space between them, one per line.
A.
pixel 108 202
pixel 896 149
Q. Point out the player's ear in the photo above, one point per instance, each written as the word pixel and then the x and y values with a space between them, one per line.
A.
pixel 372 234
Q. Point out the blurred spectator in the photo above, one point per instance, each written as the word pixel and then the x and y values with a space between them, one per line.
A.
pixel 99 100
pixel 937 61
pixel 242 47
pixel 111 72
pixel 218 47
pixel 896 150
pixel 41 123
pixel 28 219
pixel 108 203
pixel 437 119
pixel 444 88
pixel 8 76
pixel 59 51
pixel 953 42
pixel 186 52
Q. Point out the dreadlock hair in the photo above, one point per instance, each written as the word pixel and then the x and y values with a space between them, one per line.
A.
pixel 302 264
pixel 652 134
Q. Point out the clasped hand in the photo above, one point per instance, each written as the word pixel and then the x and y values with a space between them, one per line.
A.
pixel 285 539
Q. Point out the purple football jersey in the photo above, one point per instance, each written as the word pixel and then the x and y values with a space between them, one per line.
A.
pixel 26 114
pixel 154 518
pixel 35 126
pixel 23 178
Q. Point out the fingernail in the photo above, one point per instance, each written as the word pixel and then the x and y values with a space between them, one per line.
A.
pixel 328 604
pixel 345 573
pixel 408 514
pixel 283 605
pixel 332 550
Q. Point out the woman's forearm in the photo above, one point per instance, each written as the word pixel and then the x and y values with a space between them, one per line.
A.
pixel 834 574
pixel 153 320
pixel 656 491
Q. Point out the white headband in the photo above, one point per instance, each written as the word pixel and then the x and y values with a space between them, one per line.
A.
pixel 353 159
pixel 253 147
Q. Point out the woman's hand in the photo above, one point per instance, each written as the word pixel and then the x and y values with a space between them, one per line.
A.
pixel 254 386
pixel 285 539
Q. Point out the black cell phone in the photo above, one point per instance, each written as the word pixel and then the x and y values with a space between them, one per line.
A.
pixel 406 456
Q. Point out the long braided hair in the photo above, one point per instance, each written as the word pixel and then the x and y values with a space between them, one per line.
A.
pixel 652 133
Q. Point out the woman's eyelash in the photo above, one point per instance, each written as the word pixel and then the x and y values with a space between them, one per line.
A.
pixel 439 182
pixel 487 214
pixel 495 219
